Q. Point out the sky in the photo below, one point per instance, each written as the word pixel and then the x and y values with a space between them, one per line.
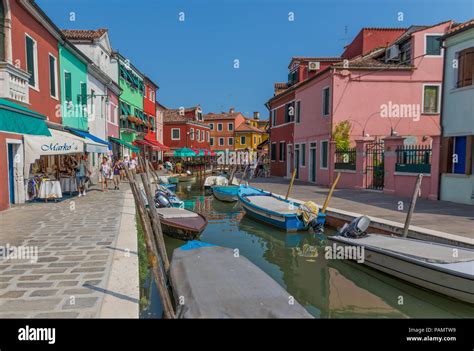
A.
pixel 194 61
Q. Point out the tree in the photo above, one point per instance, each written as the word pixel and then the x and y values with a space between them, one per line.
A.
pixel 341 135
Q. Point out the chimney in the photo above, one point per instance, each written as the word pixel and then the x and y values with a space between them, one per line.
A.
pixel 256 115
pixel 231 110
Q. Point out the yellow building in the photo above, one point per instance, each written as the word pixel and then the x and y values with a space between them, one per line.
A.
pixel 248 135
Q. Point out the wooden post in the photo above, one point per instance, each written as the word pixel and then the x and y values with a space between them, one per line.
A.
pixel 156 223
pixel 291 183
pixel 153 255
pixel 328 198
pixel 416 191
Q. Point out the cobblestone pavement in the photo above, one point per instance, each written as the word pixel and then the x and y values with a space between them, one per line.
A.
pixel 75 240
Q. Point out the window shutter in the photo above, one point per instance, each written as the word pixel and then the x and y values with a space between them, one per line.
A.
pixel 84 94
pixel 68 85
pixel 30 60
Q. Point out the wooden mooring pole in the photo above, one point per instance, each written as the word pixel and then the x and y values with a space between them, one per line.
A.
pixel 416 191
pixel 291 183
pixel 155 259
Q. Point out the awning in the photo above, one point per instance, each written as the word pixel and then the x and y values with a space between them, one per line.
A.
pixel 147 143
pixel 15 118
pixel 184 152
pixel 197 152
pixel 59 143
pixel 124 143
pixel 92 143
pixel 157 144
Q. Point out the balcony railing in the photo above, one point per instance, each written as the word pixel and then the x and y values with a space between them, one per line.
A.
pixel 14 83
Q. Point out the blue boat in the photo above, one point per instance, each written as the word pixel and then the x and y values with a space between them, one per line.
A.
pixel 227 193
pixel 271 209
pixel 170 186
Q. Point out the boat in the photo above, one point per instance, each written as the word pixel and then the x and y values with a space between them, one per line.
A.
pixel 180 223
pixel 442 268
pixel 170 196
pixel 187 178
pixel 216 284
pixel 229 193
pixel 173 179
pixel 169 186
pixel 271 209
pixel 215 180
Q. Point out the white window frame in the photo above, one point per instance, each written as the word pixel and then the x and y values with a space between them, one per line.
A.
pixel 273 115
pixel 198 135
pixel 321 154
pixel 438 108
pixel 56 85
pixel 328 88
pixel 179 134
pixel 191 134
pixel 223 141
pixel 35 57
pixel 298 111
pixel 441 53
pixel 221 127
pixel 230 141
pixel 229 128
pixel 244 139
pixel 211 126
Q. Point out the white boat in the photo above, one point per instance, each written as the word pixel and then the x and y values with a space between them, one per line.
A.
pixel 215 180
pixel 445 269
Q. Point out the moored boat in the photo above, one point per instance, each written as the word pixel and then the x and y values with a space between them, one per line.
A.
pixel 215 180
pixel 445 269
pixel 229 193
pixel 215 284
pixel 173 179
pixel 180 223
pixel 271 209
pixel 187 178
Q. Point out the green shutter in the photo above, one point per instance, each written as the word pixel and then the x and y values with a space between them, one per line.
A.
pixel 52 75
pixel 324 155
pixel 68 85
pixel 433 45
pixel 83 94
pixel 303 154
pixel 30 60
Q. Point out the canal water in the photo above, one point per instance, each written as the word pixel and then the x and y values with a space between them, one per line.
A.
pixel 326 288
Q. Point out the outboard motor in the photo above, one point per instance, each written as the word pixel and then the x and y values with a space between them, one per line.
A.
pixel 161 199
pixel 356 229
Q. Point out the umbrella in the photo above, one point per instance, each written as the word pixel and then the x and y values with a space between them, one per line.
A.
pixel 184 152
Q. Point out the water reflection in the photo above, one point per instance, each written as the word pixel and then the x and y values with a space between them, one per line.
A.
pixel 326 288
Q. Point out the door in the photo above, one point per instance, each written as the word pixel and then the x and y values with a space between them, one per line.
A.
pixel 297 161
pixel 11 173
pixel 289 160
pixel 312 163
pixel 460 152
pixel 374 168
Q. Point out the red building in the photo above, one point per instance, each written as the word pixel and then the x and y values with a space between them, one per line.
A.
pixel 185 127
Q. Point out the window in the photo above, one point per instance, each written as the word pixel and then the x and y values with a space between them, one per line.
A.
pixel 68 86
pixel 282 151
pixel 83 94
pixel 458 153
pixel 208 135
pixel 431 99
pixel 219 127
pixel 230 141
pixel 433 45
pixel 221 141
pixel 198 135
pixel 243 140
pixel 273 152
pixel 191 133
pixel 175 134
pixel 273 118
pixel 326 101
pixel 298 115
pixel 211 142
pixel 32 61
pixel 303 155
pixel 465 67
pixel 53 80
pixel 324 154
pixel 290 112
pixel 211 126
pixel 230 127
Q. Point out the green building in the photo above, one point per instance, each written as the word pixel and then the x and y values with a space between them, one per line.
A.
pixel 73 77
pixel 132 119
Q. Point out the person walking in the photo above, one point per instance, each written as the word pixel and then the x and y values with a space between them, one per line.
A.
pixel 117 169
pixel 133 166
pixel 105 173
pixel 82 173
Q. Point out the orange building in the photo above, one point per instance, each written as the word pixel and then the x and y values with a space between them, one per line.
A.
pixel 222 126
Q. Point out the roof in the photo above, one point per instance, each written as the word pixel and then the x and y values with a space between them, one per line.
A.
pixel 459 28
pixel 174 115
pixel 244 128
pixel 319 59
pixel 369 61
pixel 84 34
pixel 211 116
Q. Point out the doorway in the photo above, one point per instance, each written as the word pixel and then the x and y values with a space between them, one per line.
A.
pixel 289 160
pixel 312 162
pixel 11 173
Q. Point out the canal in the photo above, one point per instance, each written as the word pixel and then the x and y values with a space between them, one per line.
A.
pixel 326 288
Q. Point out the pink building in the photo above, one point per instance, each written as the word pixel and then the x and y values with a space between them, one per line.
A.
pixel 389 91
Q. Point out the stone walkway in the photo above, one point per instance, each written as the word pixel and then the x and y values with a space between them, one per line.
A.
pixel 442 216
pixel 75 240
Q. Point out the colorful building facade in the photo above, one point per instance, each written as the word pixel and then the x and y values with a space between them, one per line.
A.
pixel 222 128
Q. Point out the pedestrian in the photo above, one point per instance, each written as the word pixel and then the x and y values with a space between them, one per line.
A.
pixel 117 168
pixel 82 173
pixel 133 166
pixel 105 173
pixel 122 169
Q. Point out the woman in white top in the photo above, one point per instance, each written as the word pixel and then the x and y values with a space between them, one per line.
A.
pixel 105 172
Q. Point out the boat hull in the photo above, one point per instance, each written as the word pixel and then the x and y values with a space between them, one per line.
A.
pixel 173 180
pixel 226 193
pixel 184 228
pixel 430 276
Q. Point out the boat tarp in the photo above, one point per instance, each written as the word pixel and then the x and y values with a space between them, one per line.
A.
pixel 273 204
pixel 422 250
pixel 216 284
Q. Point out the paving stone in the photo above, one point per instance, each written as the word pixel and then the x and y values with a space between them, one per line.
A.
pixel 14 272
pixel 92 282
pixel 48 259
pixel 5 279
pixel 94 264
pixel 93 275
pixel 98 257
pixel 67 283
pixel 87 270
pixel 73 258
pixel 62 276
pixel 48 270
pixel 13 294
pixel 44 293
pixel 64 264
pixel 57 315
pixel 30 277
pixel 79 291
pixel 35 285
pixel 79 303
pixel 3 285
pixel 22 305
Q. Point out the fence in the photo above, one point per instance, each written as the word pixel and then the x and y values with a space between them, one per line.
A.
pixel 346 159
pixel 414 159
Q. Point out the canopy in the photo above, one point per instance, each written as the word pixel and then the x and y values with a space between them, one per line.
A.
pixel 92 143
pixel 15 118
pixel 184 152
pixel 127 145
pixel 157 144
pixel 59 143
pixel 147 143
pixel 209 152
pixel 197 152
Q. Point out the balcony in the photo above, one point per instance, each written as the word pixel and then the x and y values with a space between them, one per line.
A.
pixel 14 83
